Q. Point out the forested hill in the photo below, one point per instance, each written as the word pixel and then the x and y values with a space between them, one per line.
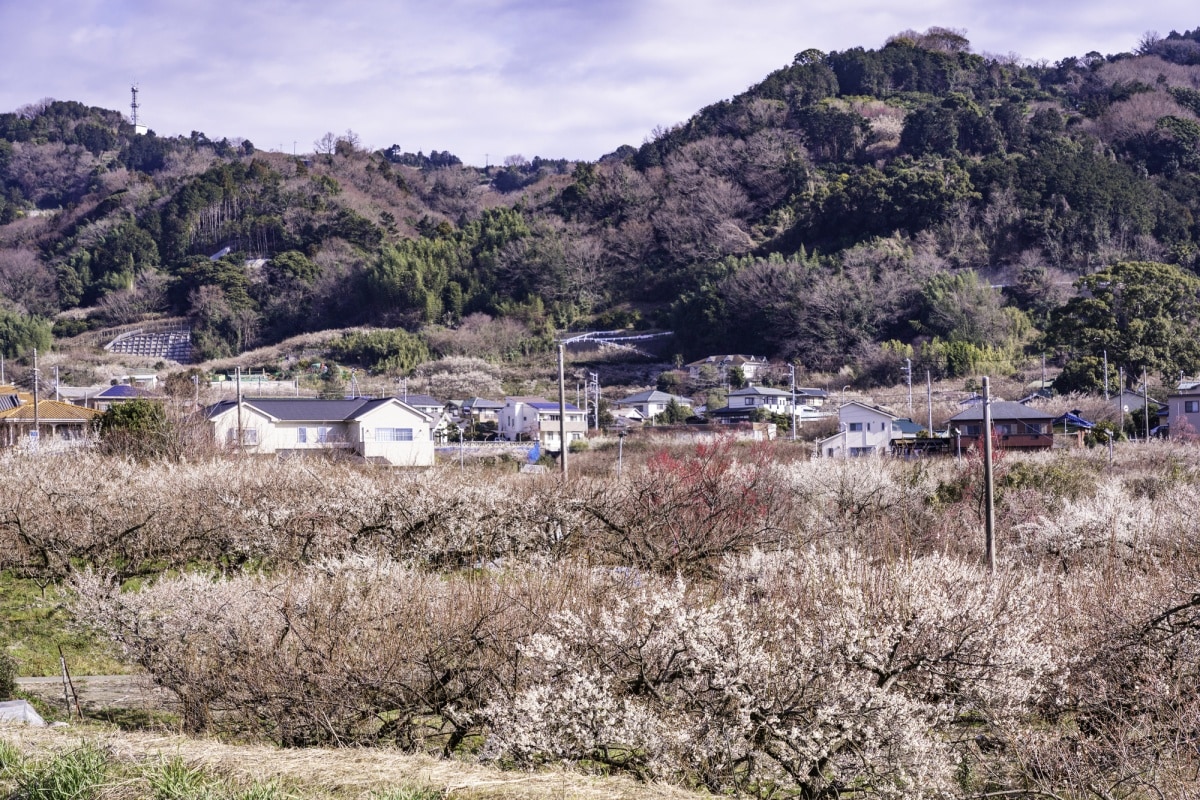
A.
pixel 857 206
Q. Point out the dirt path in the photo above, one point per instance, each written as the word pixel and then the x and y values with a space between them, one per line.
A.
pixel 97 692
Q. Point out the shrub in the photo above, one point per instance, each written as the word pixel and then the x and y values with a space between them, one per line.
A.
pixel 8 675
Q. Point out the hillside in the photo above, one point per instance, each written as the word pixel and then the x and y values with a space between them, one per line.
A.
pixel 853 208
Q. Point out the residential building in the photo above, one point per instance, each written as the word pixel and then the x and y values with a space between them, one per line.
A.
pixel 480 409
pixel 809 396
pixel 529 419
pixel 1013 425
pixel 435 409
pixel 56 421
pixel 121 393
pixel 742 404
pixel 1184 405
pixel 386 429
pixel 652 403
pixel 717 368
pixel 862 430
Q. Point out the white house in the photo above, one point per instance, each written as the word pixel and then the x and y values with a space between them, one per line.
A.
pixel 528 419
pixel 1184 414
pixel 718 367
pixel 862 430
pixel 434 408
pixel 652 403
pixel 385 429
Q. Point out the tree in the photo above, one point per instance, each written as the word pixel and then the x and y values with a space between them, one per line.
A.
pixel 1144 314
pixel 674 413
pixel 19 334
pixel 139 428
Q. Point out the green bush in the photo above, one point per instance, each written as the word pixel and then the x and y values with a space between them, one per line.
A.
pixel 8 676
pixel 577 446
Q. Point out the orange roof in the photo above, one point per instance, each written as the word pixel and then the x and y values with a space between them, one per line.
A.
pixel 49 411
pixel 8 388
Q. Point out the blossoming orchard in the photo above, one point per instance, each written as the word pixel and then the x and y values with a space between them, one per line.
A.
pixel 726 617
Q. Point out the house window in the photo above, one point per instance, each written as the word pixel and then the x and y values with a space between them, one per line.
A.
pixel 856 426
pixel 393 434
pixel 749 401
pixel 301 435
pixel 249 436
pixel 1191 406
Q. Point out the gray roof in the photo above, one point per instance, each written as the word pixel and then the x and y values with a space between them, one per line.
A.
pixel 421 400
pixel 309 409
pixel 1003 410
pixel 653 396
pixel 761 390
pixel 481 402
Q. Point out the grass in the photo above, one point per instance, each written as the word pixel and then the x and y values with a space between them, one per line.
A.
pixel 78 774
pixel 139 765
pixel 35 623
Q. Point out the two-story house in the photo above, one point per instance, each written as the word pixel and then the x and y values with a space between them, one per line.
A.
pixel 717 368
pixel 743 403
pixel 530 419
pixel 652 403
pixel 1184 405
pixel 862 430
pixel 480 409
pixel 1013 425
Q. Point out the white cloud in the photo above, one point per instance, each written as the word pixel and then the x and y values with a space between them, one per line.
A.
pixel 540 77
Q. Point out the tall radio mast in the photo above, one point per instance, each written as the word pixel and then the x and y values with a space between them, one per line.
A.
pixel 138 128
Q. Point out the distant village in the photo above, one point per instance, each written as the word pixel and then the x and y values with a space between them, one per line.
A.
pixel 416 429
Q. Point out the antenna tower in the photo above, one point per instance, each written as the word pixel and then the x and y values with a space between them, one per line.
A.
pixel 134 105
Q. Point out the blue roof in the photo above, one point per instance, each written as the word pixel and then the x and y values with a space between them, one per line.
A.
pixel 123 391
pixel 551 406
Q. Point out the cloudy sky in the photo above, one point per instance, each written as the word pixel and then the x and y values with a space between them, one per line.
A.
pixel 486 79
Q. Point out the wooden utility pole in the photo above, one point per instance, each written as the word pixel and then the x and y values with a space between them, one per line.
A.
pixel 989 497
pixel 562 412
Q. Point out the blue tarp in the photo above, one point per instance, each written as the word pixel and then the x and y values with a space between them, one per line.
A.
pixel 535 452
pixel 1071 418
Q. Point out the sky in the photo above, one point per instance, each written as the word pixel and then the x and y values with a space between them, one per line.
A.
pixel 486 79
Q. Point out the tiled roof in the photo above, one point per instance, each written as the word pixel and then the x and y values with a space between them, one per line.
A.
pixel 1002 410
pixel 421 400
pixel 653 396
pixel 50 411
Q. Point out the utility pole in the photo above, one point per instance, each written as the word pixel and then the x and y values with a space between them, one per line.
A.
pixel 989 496
pixel 562 412
pixel 1106 376
pixel 929 401
pixel 792 370
pixel 908 376
pixel 240 432
pixel 1146 404
pixel 37 422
